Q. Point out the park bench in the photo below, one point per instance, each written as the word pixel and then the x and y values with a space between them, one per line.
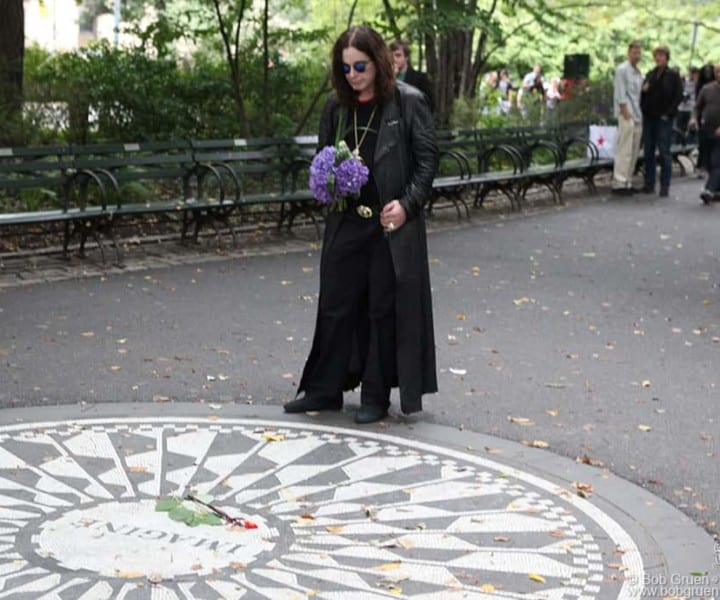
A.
pixel 263 172
pixel 90 188
pixel 49 177
pixel 125 170
pixel 511 161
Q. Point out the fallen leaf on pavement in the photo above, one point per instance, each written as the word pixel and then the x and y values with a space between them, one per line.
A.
pixel 334 529
pixel 392 566
pixel 128 574
pixel 644 428
pixel 274 437
pixel 586 460
pixel 523 300
pixel 537 444
pixel 536 577
pixel 525 422
pixel 582 488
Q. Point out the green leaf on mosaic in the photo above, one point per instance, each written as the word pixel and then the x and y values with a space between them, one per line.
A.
pixel 193 520
pixel 180 513
pixel 166 504
pixel 209 519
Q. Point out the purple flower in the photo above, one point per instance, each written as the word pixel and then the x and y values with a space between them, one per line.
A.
pixel 350 176
pixel 331 182
pixel 322 172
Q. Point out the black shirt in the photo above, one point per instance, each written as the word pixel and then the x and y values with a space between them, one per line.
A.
pixel 664 95
pixel 367 131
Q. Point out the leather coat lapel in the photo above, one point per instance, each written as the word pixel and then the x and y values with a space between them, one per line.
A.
pixel 389 131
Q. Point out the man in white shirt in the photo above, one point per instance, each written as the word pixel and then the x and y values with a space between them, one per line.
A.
pixel 532 82
pixel 533 78
pixel 628 89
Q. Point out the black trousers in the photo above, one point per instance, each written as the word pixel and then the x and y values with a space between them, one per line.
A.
pixel 713 164
pixel 357 304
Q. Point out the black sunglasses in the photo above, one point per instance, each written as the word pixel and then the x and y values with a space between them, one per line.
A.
pixel 359 66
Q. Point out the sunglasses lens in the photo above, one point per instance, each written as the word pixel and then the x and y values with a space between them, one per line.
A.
pixel 358 66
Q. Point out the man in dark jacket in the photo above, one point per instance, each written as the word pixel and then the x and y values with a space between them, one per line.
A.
pixel 662 93
pixel 707 116
pixel 404 71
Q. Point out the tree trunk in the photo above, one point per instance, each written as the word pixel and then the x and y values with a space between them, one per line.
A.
pixel 266 71
pixel 232 53
pixel 12 51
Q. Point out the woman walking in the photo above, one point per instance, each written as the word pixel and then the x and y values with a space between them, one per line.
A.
pixel 374 325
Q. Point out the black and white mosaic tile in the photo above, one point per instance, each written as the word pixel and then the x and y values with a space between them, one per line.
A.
pixel 341 514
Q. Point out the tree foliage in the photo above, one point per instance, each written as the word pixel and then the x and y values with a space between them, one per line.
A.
pixel 217 68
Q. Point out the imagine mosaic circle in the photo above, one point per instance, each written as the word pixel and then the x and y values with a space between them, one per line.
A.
pixel 340 514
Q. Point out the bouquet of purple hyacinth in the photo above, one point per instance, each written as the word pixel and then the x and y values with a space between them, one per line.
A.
pixel 336 174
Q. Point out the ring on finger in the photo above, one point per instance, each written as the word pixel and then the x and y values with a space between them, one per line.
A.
pixel 391 226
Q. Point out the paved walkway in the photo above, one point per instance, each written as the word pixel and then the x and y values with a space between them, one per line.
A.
pixel 586 332
pixel 408 510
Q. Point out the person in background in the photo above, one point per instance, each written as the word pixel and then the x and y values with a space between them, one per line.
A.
pixel 533 83
pixel 533 78
pixel 662 92
pixel 507 91
pixel 404 71
pixel 707 115
pixel 553 93
pixel 628 88
pixel 487 93
pixel 688 102
pixel 706 75
pixel 491 80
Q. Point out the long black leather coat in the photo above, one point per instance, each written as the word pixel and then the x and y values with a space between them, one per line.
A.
pixel 404 166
